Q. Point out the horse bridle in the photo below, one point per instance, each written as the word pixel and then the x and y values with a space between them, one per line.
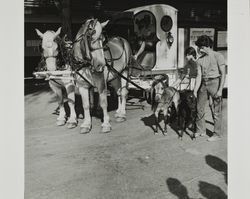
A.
pixel 59 49
pixel 163 84
pixel 88 34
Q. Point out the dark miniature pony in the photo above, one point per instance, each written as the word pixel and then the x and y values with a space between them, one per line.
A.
pixel 187 112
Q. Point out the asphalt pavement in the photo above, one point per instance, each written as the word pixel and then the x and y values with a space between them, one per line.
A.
pixel 128 162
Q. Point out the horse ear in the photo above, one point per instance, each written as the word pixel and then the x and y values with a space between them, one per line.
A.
pixel 58 31
pixel 166 83
pixel 103 24
pixel 39 33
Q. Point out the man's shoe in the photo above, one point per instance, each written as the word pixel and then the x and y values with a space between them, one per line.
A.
pixel 214 138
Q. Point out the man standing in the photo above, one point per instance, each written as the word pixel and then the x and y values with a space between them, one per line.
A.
pixel 209 83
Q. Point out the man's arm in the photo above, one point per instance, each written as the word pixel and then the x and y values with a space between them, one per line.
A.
pixel 197 80
pixel 222 69
pixel 142 48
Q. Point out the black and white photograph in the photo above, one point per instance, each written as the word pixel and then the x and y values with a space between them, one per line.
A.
pixel 126 99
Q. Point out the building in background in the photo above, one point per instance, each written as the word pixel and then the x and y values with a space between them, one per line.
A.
pixel 193 18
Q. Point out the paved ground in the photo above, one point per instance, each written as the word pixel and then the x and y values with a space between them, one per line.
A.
pixel 129 162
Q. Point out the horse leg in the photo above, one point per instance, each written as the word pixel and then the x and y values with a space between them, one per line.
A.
pixel 121 115
pixel 61 119
pixel 156 121
pixel 116 84
pixel 86 125
pixel 181 124
pixel 72 121
pixel 182 128
pixel 117 113
pixel 91 98
pixel 106 126
pixel 165 113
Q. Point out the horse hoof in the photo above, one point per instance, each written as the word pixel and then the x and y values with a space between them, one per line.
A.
pixel 60 122
pixel 117 115
pixel 84 130
pixel 120 119
pixel 71 125
pixel 106 129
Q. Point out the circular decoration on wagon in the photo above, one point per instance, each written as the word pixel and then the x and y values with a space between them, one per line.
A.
pixel 166 23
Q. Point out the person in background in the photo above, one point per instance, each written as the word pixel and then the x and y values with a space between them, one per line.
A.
pixel 210 81
pixel 147 37
pixel 189 72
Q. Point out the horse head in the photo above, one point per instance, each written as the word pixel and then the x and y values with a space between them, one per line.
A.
pixel 189 99
pixel 88 44
pixel 158 87
pixel 50 47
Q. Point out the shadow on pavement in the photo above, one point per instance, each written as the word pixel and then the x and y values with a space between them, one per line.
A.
pixel 211 191
pixel 207 190
pixel 150 122
pixel 35 86
pixel 217 164
pixel 177 188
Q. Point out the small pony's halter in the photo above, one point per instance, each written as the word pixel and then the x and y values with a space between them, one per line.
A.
pixel 164 87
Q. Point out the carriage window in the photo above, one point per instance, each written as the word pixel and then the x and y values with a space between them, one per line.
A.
pixel 166 23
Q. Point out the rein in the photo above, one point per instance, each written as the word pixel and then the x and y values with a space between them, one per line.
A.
pixel 176 89
pixel 108 49
pixel 122 76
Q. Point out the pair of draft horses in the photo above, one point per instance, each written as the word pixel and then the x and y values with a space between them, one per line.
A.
pixel 88 49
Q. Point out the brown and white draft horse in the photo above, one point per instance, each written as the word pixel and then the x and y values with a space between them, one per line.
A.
pixel 50 55
pixel 104 61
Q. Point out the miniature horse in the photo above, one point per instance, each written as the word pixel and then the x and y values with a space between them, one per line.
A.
pixel 50 54
pixel 104 64
pixel 163 98
pixel 187 112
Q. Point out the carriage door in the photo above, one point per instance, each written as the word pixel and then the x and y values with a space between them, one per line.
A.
pixel 145 31
pixel 157 26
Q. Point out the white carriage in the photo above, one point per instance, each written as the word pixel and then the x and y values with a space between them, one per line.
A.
pixel 163 27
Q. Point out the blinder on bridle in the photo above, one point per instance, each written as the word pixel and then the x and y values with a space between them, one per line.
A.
pixel 90 32
pixel 87 40
pixel 91 28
